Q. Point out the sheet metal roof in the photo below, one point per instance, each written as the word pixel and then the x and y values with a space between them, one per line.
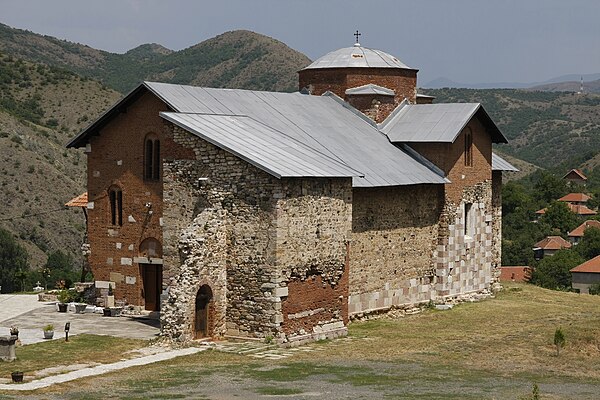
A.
pixel 319 122
pixel 357 57
pixel 261 145
pixel 500 164
pixel 436 122
pixel 371 89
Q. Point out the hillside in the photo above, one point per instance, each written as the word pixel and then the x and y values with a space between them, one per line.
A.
pixel 548 129
pixel 40 108
pixel 237 59
pixel 570 86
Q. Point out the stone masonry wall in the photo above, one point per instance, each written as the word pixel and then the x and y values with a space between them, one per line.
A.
pixel 496 225
pixel 255 240
pixel 313 233
pixel 393 241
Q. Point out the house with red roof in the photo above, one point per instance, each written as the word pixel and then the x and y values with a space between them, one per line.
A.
pixel 576 234
pixel 586 274
pixel 575 198
pixel 512 273
pixel 549 245
pixel 575 176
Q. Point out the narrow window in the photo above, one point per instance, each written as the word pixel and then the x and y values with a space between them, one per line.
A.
pixel 116 206
pixel 152 158
pixel 467 219
pixel 468 148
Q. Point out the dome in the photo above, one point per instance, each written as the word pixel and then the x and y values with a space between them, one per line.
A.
pixel 357 57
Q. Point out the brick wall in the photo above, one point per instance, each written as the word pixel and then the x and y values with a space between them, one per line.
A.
pixel 376 107
pixel 337 80
pixel 394 234
pixel 116 158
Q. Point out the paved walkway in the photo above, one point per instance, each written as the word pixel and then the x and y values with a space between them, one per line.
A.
pixel 100 369
pixel 13 305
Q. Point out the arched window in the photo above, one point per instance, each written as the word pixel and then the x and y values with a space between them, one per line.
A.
pixel 152 158
pixel 115 196
pixel 468 147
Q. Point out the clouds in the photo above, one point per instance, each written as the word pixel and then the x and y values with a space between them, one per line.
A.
pixel 464 40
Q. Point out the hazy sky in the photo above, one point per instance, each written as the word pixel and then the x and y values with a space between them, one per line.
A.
pixel 464 40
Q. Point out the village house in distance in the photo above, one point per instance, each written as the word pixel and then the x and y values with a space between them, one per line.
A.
pixel 255 214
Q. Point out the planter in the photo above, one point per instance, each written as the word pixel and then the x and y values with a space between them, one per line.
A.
pixel 80 308
pixel 62 307
pixel 112 311
pixel 106 312
pixel 48 334
pixel 17 376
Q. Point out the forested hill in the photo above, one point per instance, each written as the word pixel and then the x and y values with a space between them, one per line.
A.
pixel 236 59
pixel 553 130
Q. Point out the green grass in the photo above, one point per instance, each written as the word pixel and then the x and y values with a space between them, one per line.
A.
pixel 277 391
pixel 79 349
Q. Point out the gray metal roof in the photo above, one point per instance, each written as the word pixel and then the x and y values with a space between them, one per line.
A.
pixel 357 57
pixel 500 164
pixel 435 122
pixel 370 89
pixel 319 122
pixel 260 145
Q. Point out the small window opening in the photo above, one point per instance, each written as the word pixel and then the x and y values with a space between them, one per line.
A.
pixel 116 206
pixel 468 219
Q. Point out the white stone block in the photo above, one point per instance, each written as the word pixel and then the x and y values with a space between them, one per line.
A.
pixel 103 284
pixel 96 174
pixel 90 205
pixel 280 292
pixel 130 248
pixel 126 261
pixel 119 162
pixel 88 148
pixel 130 280
pixel 118 246
pixel 131 219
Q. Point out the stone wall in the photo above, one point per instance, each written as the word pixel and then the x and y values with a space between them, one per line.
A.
pixel 259 242
pixel 496 225
pixel 393 240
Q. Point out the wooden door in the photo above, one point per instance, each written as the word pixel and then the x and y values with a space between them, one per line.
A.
pixel 202 312
pixel 152 285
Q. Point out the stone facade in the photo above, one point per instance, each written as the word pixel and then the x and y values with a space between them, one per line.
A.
pixel 273 251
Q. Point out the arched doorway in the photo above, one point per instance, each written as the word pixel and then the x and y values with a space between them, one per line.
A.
pixel 202 312
pixel 151 273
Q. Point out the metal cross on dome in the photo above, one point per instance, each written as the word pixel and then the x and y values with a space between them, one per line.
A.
pixel 357 34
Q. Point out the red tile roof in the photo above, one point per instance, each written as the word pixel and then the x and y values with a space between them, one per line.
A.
pixel 581 209
pixel 575 197
pixel 553 243
pixel 576 172
pixel 79 201
pixel 515 274
pixel 578 232
pixel 592 265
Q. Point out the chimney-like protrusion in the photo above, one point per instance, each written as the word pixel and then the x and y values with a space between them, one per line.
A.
pixel 376 102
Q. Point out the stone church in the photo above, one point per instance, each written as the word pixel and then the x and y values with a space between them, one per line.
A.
pixel 258 214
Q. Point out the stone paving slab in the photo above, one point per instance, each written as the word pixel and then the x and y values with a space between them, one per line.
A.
pixel 99 369
pixel 13 305
pixel 30 325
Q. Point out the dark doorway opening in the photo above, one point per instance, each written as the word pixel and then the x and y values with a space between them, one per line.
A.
pixel 152 285
pixel 202 317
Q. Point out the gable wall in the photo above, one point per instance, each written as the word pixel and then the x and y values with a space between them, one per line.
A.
pixel 116 158
pixel 273 251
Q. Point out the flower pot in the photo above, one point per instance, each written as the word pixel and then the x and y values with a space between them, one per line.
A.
pixel 80 308
pixel 48 334
pixel 106 312
pixel 17 376
pixel 62 307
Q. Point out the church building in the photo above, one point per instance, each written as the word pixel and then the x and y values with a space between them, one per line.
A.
pixel 259 214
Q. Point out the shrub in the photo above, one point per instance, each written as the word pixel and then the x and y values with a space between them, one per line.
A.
pixel 559 340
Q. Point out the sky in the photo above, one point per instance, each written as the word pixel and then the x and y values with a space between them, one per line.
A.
pixel 467 41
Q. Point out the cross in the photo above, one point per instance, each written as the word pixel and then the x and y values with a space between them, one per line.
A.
pixel 357 34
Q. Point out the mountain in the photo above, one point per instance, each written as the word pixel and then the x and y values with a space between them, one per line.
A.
pixel 236 59
pixel 553 130
pixel 567 83
pixel 41 107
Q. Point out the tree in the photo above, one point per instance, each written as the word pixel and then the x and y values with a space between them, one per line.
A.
pixel 552 272
pixel 549 187
pixel 589 246
pixel 61 268
pixel 559 218
pixel 559 340
pixel 13 258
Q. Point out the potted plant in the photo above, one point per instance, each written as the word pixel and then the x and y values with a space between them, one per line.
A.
pixel 17 376
pixel 49 331
pixel 14 331
pixel 110 298
pixel 63 298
